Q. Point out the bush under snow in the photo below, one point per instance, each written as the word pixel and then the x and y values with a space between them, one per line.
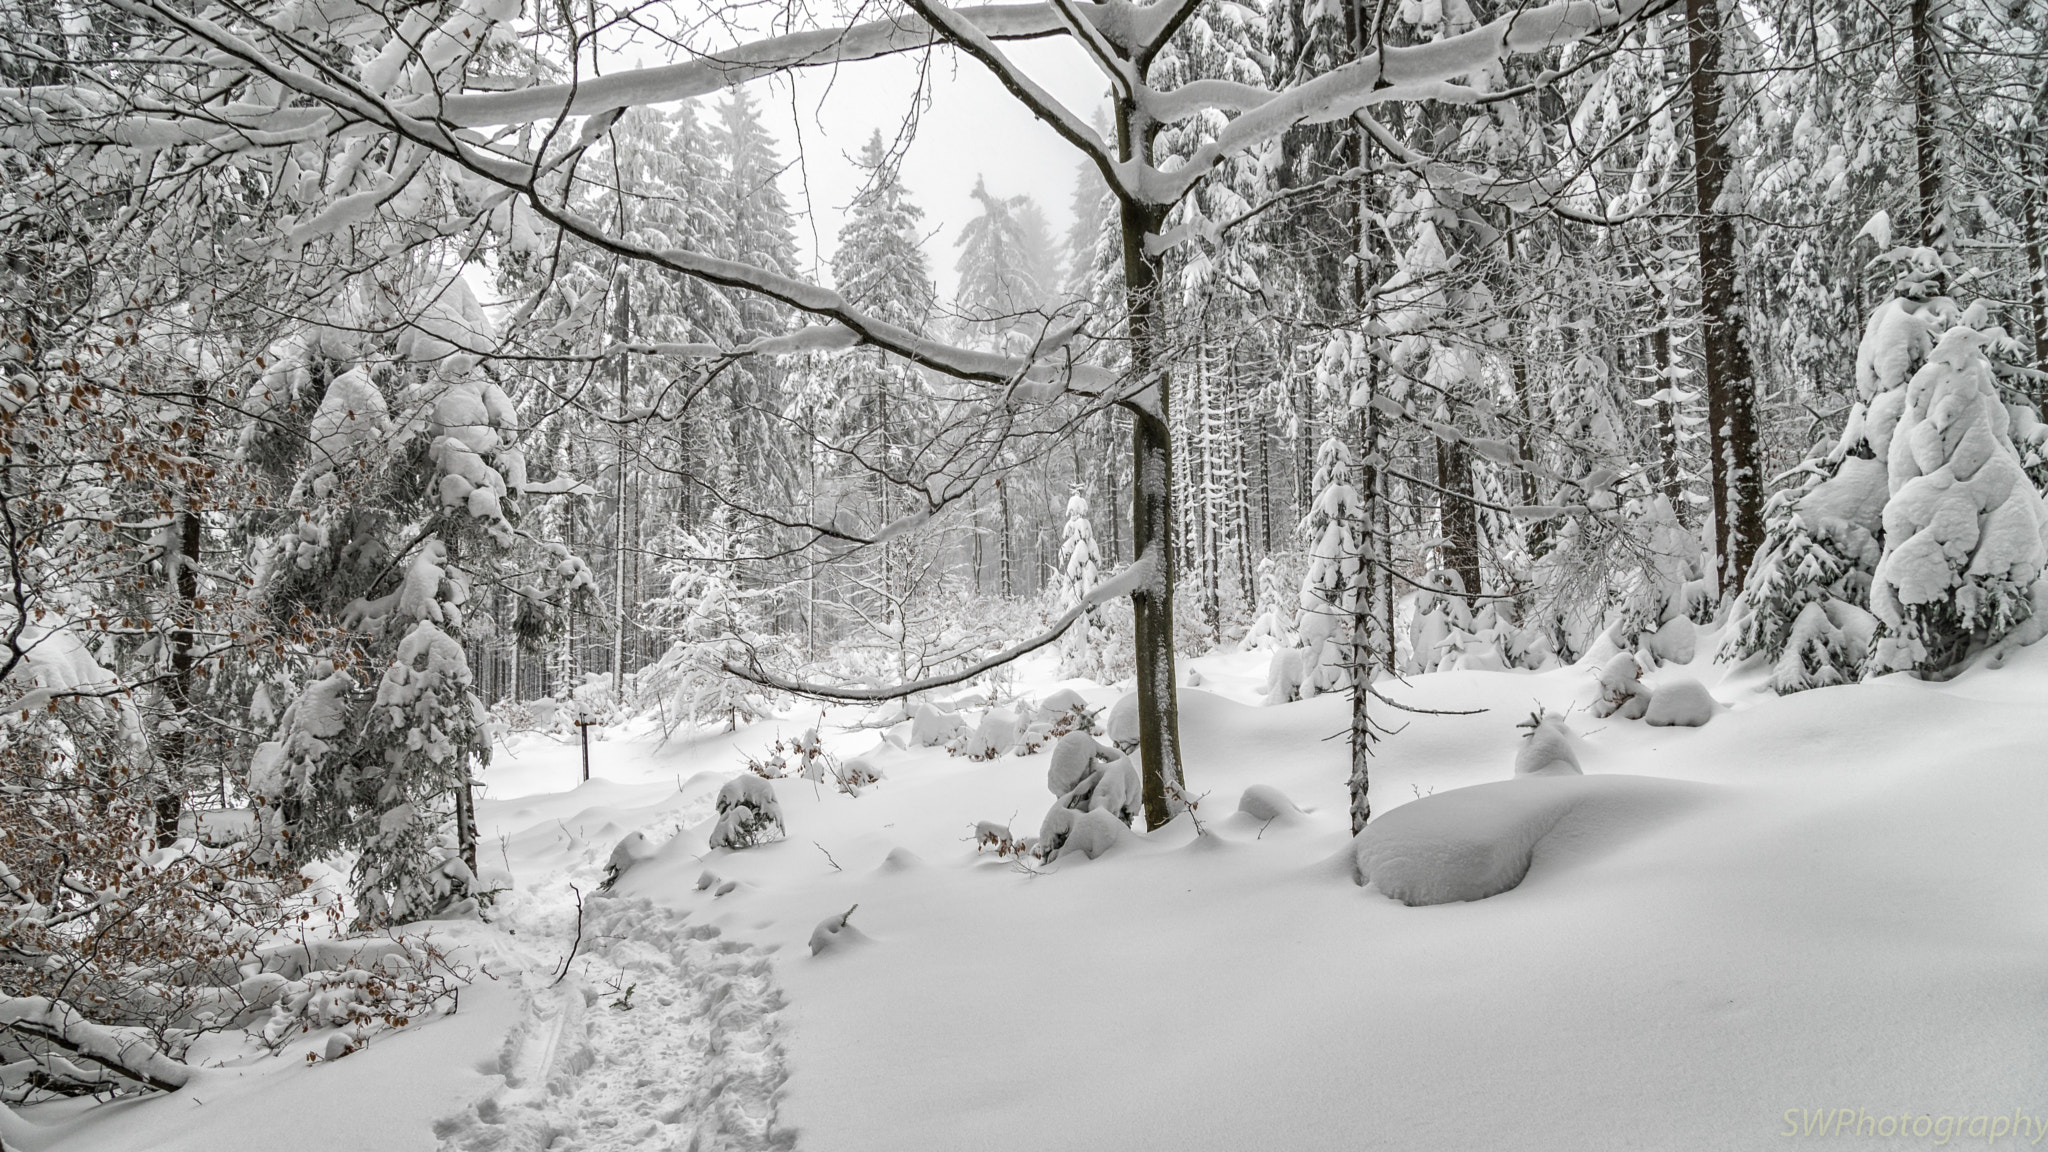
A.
pixel 1471 843
pixel 748 813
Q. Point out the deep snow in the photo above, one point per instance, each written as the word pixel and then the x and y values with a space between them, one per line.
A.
pixel 1853 915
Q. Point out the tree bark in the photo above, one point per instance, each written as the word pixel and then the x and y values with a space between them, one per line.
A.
pixel 1151 491
pixel 1457 515
pixel 1731 389
pixel 2032 212
pixel 622 317
pixel 174 751
pixel 1926 126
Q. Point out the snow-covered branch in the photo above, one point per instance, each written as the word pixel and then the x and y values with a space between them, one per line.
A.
pixel 1130 580
pixel 61 1026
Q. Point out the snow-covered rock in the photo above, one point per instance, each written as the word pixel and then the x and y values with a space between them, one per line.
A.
pixel 1681 702
pixel 1471 843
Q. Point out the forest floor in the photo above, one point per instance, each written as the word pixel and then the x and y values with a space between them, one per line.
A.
pixel 1847 926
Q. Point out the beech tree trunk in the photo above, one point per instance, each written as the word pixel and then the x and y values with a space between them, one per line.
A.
pixel 1151 492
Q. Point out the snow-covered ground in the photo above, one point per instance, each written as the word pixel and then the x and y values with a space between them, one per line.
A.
pixel 1843 906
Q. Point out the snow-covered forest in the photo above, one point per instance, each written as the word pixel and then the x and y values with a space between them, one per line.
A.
pixel 1457 575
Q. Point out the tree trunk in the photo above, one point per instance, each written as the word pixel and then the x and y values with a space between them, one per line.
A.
pixel 1926 129
pixel 622 317
pixel 1667 417
pixel 174 751
pixel 2032 212
pixel 1731 391
pixel 1151 493
pixel 1456 513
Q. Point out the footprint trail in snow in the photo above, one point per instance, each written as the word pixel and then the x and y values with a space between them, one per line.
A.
pixel 687 1062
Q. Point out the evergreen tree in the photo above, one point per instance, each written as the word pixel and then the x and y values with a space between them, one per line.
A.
pixel 998 268
pixel 1080 571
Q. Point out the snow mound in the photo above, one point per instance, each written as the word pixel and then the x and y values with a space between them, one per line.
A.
pixel 1681 702
pixel 1264 802
pixel 1471 843
pixel 996 736
pixel 634 849
pixel 1622 692
pixel 900 859
pixel 1123 722
pixel 836 934
pixel 932 725
pixel 1547 749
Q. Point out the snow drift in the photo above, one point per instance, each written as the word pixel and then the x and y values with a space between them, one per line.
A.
pixel 1471 843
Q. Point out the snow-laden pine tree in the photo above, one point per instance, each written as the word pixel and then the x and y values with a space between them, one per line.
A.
pixel 998 289
pixel 1335 580
pixel 1805 604
pixel 404 484
pixel 1080 571
pixel 1963 528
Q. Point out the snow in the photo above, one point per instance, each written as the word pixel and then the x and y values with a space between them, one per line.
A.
pixel 1472 843
pixel 1547 749
pixel 1681 701
pixel 1829 899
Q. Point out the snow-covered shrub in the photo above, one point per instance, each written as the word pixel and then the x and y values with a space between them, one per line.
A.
pixel 373 990
pixel 1284 676
pixel 992 837
pixel 855 773
pixel 1963 530
pixel 114 955
pixel 1089 777
pixel 748 814
pixel 1681 702
pixel 1622 691
pixel 1265 803
pixel 813 763
pixel 1546 747
pixel 630 851
pixel 1090 833
pixel 932 725
pixel 835 933
pixel 994 737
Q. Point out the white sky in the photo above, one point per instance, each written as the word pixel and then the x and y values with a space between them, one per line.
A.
pixel 973 127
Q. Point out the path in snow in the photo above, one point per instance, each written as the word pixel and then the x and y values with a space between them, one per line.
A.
pixel 688 1063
